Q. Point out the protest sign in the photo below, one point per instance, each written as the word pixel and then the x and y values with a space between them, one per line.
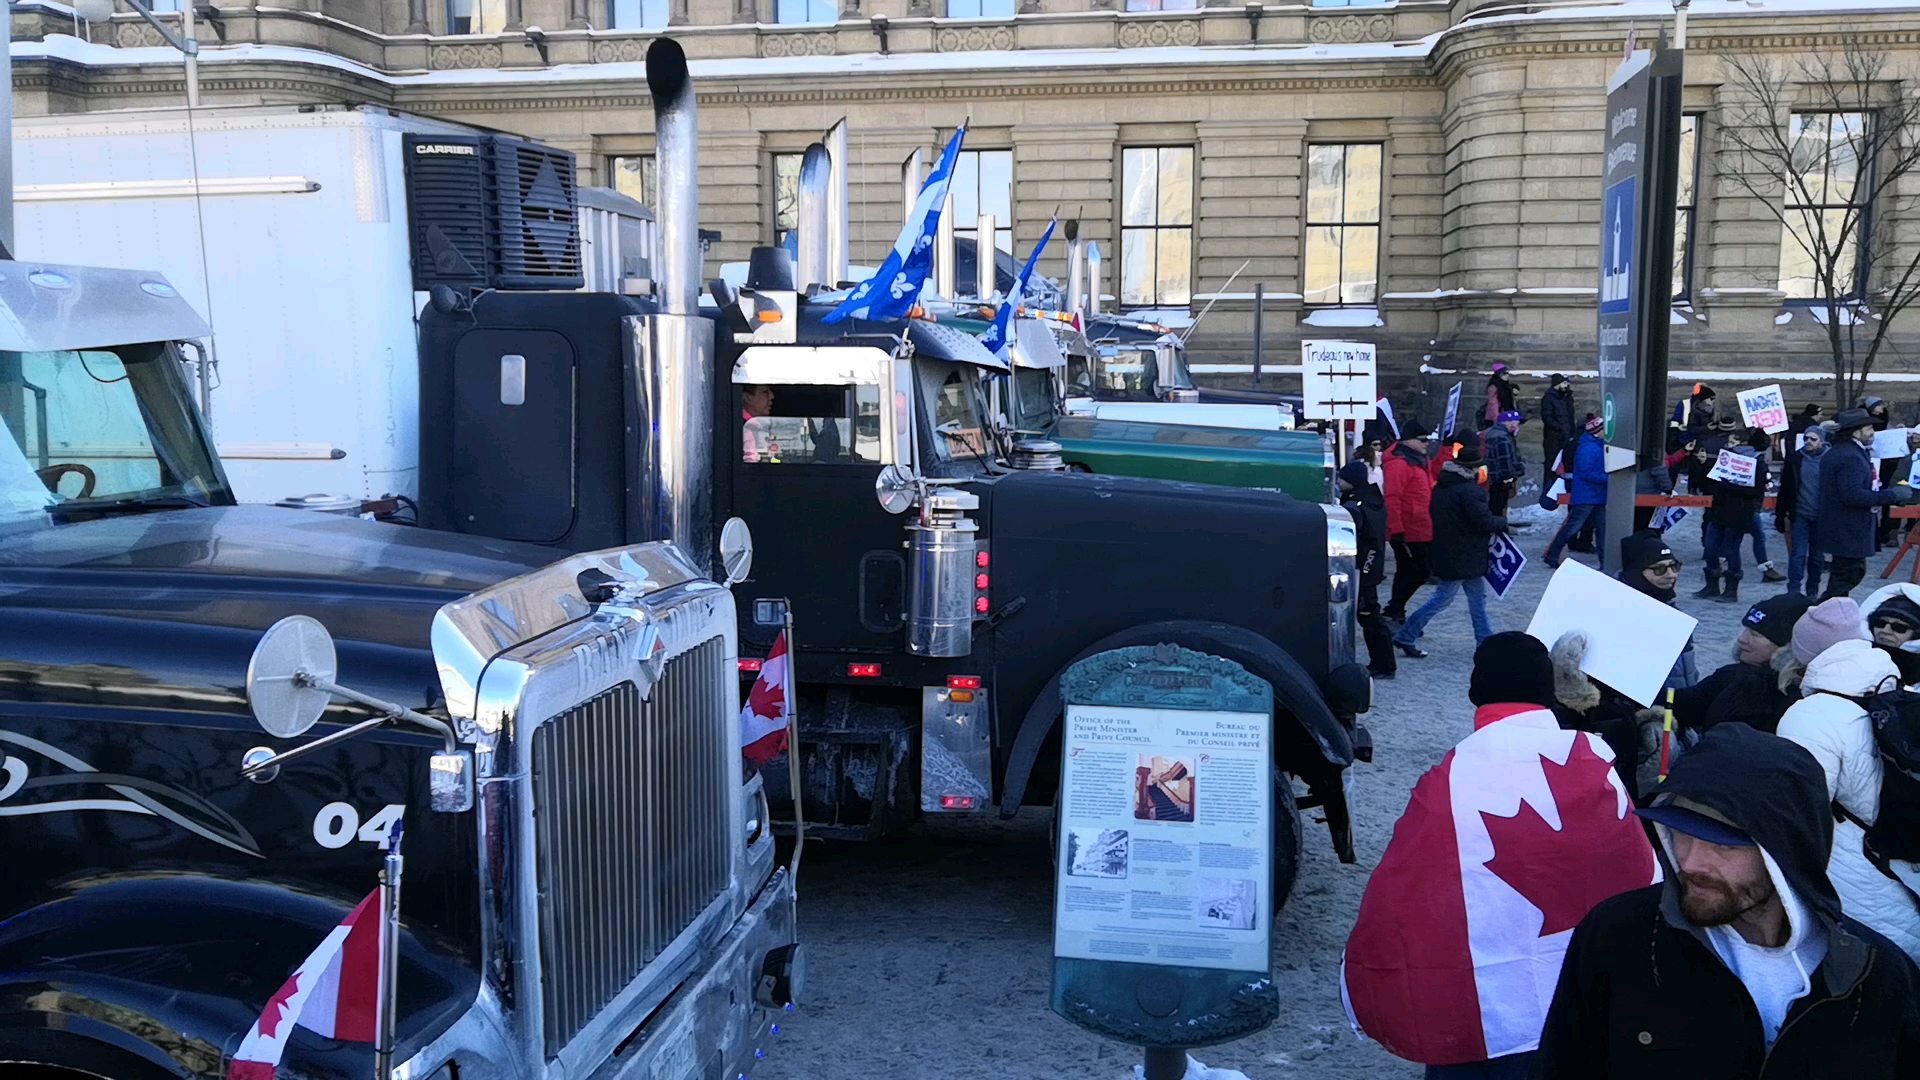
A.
pixel 1733 468
pixel 1505 560
pixel 1668 517
pixel 1632 639
pixel 1764 407
pixel 1891 443
pixel 1337 380
pixel 1453 412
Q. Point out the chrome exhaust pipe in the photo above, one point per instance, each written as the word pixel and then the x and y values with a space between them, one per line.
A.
pixel 946 267
pixel 676 133
pixel 1096 273
pixel 839 242
pixel 814 221
pixel 912 173
pixel 986 257
pixel 671 353
pixel 1076 269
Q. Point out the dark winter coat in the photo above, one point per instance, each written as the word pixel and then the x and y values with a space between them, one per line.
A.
pixel 1461 525
pixel 1747 693
pixel 1644 996
pixel 1503 456
pixel 1409 477
pixel 1847 501
pixel 1588 484
pixel 1369 510
pixel 1556 420
pixel 1800 485
pixel 1735 504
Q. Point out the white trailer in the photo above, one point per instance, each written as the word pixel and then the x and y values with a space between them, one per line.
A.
pixel 286 228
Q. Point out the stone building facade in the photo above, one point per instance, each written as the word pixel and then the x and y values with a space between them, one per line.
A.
pixel 1422 173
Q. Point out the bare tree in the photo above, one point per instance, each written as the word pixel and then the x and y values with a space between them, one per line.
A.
pixel 1827 144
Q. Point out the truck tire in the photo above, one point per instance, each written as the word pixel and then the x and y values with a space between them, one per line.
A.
pixel 1288 838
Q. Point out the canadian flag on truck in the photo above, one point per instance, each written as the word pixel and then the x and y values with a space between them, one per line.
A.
pixel 769 708
pixel 335 992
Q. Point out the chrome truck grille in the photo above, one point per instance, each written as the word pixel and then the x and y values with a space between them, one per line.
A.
pixel 630 806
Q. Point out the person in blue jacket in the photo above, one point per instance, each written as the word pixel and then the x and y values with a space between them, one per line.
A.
pixel 1586 494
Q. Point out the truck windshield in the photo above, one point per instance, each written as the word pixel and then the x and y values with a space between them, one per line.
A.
pixel 98 430
pixel 1129 373
pixel 950 395
pixel 1033 401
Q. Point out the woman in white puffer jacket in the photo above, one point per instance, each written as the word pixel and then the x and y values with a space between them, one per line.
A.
pixel 1843 665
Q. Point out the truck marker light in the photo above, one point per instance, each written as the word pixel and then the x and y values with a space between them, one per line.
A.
pixel 863 671
pixel 981 559
pixel 768 316
pixel 964 697
pixel 956 802
pixel 980 604
pixel 979 581
pixel 749 663
pixel 963 682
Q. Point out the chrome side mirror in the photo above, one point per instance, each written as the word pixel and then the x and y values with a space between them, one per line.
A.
pixel 896 487
pixel 736 550
pixel 289 684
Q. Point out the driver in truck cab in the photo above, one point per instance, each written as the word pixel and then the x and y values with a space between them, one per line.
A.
pixel 757 442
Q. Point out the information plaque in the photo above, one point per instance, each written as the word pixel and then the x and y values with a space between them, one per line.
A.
pixel 1163 912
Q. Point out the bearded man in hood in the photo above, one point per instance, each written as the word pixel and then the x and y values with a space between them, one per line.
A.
pixel 1741 964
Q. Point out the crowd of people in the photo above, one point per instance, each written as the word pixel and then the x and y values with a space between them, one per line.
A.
pixel 1434 502
pixel 1722 883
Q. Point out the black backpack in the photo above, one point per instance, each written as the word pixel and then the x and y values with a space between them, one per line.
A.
pixel 1895 833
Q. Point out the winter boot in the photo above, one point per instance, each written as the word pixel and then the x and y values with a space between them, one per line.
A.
pixel 1770 575
pixel 1712 588
pixel 1732 593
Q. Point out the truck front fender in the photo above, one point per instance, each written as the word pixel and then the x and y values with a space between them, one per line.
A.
pixel 1320 746
pixel 142 978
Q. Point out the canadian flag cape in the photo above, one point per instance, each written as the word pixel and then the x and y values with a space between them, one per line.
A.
pixel 763 719
pixel 334 992
pixel 1506 844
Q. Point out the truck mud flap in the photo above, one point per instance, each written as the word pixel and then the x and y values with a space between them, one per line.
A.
pixel 858 770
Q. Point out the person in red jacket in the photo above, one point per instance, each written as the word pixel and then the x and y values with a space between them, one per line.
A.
pixel 1409 473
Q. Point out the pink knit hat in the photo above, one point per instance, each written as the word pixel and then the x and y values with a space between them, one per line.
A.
pixel 1826 625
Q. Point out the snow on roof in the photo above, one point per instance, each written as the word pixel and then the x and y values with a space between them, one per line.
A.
pixel 74 50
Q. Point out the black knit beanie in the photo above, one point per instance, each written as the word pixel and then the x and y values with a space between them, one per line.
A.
pixel 1511 667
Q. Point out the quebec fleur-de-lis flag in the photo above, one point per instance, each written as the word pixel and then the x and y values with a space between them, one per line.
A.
pixel 894 288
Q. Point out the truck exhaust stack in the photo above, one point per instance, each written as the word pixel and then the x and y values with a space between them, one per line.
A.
pixel 814 221
pixel 673 350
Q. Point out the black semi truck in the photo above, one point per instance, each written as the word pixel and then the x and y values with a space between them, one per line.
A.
pixel 591 889
pixel 940 573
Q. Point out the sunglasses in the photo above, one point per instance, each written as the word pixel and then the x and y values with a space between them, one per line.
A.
pixel 1889 622
pixel 1669 566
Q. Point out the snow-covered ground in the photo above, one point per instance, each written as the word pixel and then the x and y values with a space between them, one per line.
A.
pixel 930 956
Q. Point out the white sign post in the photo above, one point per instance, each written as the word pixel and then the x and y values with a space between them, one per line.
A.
pixel 1338 380
pixel 1733 468
pixel 1764 407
